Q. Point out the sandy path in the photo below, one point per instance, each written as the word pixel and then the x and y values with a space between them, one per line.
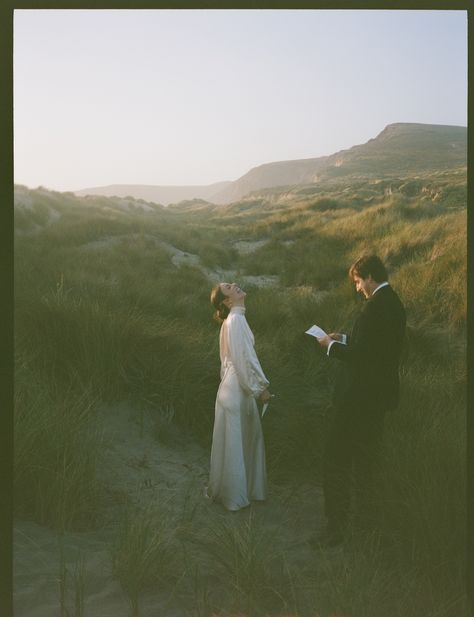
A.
pixel 182 258
pixel 179 258
pixel 141 470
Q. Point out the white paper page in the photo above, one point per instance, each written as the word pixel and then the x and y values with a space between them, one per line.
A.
pixel 316 331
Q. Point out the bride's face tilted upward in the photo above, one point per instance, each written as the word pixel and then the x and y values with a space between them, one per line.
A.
pixel 234 295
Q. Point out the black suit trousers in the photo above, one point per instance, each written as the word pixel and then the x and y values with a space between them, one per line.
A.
pixel 350 456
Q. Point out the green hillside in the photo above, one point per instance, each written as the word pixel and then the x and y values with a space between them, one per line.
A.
pixel 406 148
pixel 112 304
pixel 400 149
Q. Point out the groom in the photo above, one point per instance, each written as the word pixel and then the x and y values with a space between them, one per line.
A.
pixel 366 388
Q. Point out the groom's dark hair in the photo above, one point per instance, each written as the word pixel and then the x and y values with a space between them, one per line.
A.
pixel 369 265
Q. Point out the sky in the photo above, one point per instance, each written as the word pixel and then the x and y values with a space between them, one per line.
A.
pixel 193 97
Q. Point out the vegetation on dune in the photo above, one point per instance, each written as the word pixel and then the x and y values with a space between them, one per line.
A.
pixel 144 555
pixel 102 312
pixel 57 448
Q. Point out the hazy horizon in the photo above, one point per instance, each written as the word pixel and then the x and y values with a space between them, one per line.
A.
pixel 197 97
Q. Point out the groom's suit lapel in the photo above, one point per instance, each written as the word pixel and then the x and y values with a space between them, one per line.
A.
pixel 363 314
pixel 377 296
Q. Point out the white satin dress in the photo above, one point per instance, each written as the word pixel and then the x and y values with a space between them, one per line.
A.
pixel 237 470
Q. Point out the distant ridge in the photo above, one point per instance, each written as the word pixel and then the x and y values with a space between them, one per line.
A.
pixel 400 148
pixel 164 195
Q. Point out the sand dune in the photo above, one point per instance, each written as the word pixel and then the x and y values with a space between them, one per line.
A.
pixel 141 470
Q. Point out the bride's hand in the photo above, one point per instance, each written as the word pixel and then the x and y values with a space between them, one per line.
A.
pixel 336 336
pixel 265 396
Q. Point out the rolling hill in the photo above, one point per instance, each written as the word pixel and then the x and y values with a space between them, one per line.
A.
pixel 157 194
pixel 401 148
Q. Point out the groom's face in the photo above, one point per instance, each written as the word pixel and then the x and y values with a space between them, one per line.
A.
pixel 364 286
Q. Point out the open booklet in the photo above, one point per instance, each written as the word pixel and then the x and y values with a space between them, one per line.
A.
pixel 316 331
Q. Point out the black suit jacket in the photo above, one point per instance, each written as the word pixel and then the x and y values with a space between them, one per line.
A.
pixel 369 373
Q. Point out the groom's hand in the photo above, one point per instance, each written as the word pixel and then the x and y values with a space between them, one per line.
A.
pixel 324 341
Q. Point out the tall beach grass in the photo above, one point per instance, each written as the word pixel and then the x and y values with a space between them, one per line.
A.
pixel 122 321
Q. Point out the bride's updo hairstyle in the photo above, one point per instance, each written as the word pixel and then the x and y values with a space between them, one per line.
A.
pixel 217 301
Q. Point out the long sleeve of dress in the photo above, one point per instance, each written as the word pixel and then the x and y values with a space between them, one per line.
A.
pixel 238 347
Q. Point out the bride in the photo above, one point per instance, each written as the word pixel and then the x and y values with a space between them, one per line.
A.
pixel 237 472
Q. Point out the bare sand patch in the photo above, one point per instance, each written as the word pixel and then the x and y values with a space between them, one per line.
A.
pixel 249 246
pixel 179 257
pixel 262 280
pixel 142 470
pixel 216 275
